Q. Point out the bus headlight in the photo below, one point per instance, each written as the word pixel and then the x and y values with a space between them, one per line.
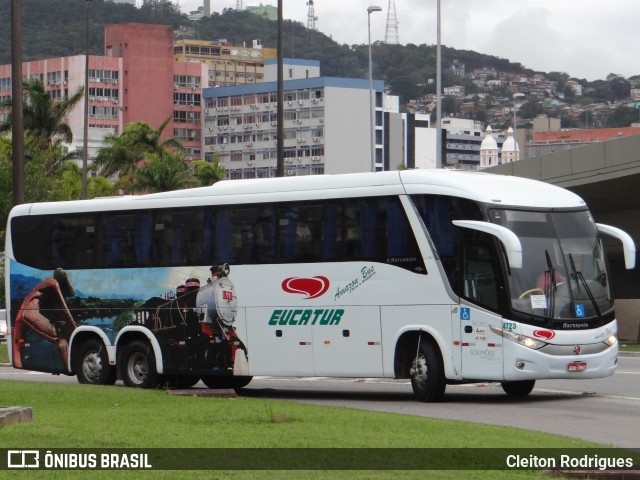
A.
pixel 528 342
pixel 611 340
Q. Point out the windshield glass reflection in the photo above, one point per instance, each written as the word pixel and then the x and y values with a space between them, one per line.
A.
pixel 564 275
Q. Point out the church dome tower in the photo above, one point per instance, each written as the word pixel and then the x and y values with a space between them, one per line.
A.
pixel 510 149
pixel 488 150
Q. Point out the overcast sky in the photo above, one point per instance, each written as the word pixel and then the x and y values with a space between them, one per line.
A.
pixel 584 38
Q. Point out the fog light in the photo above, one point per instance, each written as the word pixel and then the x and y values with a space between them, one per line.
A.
pixel 519 365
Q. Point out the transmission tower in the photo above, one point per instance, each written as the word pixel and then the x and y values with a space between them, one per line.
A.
pixel 311 16
pixel 238 4
pixel 391 35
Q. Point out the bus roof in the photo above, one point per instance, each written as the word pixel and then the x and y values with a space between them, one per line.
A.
pixel 483 187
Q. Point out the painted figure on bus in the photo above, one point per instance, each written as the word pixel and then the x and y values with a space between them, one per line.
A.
pixel 44 315
pixel 217 305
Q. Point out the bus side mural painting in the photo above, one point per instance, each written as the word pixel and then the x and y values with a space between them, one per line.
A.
pixel 193 324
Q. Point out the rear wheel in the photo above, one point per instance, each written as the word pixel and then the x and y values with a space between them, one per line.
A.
pixel 139 366
pixel 521 388
pixel 92 364
pixel 427 374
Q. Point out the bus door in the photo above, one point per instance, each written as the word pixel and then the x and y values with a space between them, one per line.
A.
pixel 480 298
pixel 347 342
pixel 278 342
pixel 481 348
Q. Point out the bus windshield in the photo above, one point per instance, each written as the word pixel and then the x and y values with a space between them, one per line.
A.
pixel 564 275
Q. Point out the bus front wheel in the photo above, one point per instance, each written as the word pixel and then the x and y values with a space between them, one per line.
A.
pixel 139 365
pixel 92 364
pixel 427 375
pixel 521 388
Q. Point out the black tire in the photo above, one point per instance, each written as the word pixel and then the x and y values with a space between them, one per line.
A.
pixel 521 388
pixel 138 366
pixel 92 364
pixel 182 381
pixel 427 374
pixel 217 381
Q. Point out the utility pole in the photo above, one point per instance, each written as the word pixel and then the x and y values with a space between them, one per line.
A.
pixel 85 140
pixel 280 99
pixel 439 159
pixel 17 127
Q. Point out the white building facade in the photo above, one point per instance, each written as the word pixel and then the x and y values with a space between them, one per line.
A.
pixel 326 127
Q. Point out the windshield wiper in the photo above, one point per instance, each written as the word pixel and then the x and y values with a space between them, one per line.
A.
pixel 578 275
pixel 551 285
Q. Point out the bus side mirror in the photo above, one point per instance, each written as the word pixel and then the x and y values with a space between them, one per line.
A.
pixel 510 240
pixel 628 245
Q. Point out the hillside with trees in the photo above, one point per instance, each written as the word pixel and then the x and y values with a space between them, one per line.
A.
pixel 53 28
pixel 58 29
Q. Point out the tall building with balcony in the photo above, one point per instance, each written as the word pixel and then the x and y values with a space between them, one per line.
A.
pixel 326 125
pixel 228 64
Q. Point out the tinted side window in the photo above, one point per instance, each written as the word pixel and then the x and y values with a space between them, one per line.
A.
pixel 338 230
pixel 371 229
pixel 438 212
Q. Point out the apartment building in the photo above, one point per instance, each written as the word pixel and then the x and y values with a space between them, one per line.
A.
pixel 63 77
pixel 154 86
pixel 462 143
pixel 326 125
pixel 135 80
pixel 228 64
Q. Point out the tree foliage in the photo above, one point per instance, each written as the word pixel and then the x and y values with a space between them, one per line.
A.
pixel 120 154
pixel 207 173
pixel 622 117
pixel 163 172
pixel 44 118
pixel 58 30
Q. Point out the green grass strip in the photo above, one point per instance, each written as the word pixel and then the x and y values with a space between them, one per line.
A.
pixel 80 416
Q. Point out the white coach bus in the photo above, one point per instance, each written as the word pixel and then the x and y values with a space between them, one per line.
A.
pixel 435 276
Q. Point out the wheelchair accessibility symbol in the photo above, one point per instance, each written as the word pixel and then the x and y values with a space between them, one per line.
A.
pixel 465 313
pixel 579 310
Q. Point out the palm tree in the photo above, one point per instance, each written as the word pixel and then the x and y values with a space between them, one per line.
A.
pixel 117 157
pixel 147 140
pixel 120 154
pixel 164 172
pixel 44 117
pixel 68 184
pixel 208 173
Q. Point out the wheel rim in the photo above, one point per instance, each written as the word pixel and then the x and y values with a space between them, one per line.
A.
pixel 137 368
pixel 419 372
pixel 92 366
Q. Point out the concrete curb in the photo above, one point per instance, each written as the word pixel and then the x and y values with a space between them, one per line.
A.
pixel 10 415
pixel 202 392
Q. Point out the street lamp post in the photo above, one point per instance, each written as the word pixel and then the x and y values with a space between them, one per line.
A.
pixel 372 8
pixel 85 140
pixel 516 155
pixel 439 163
